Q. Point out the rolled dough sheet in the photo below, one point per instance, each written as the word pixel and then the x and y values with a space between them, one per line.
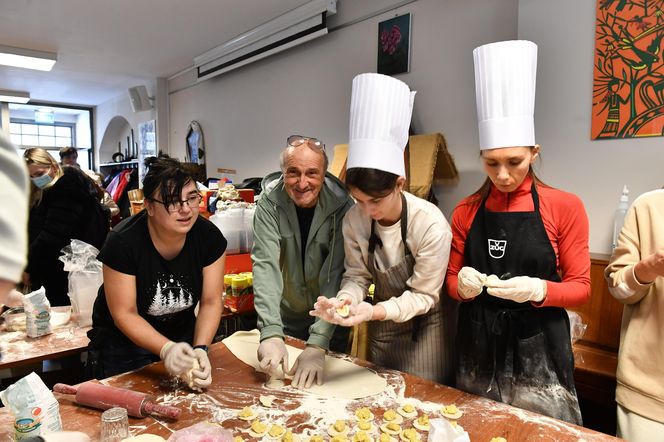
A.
pixel 343 379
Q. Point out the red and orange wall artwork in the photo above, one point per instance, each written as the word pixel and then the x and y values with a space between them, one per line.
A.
pixel 628 87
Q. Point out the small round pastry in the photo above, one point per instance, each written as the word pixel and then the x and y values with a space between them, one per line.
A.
pixel 276 432
pixel 422 423
pixel 339 427
pixel 316 438
pixel 384 437
pixel 391 428
pixel 343 311
pixel 366 426
pixel 364 414
pixel 361 436
pixel 339 438
pixel 238 439
pixel 289 437
pixel 258 429
pixel 407 410
pixel 451 412
pixel 392 416
pixel 247 414
pixel 410 435
pixel 498 439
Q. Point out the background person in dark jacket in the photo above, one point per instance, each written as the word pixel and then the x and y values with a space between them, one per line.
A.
pixel 64 205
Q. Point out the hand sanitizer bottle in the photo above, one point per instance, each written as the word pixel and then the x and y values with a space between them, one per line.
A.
pixel 619 217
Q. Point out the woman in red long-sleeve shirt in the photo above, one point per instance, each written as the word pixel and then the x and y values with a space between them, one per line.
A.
pixel 519 254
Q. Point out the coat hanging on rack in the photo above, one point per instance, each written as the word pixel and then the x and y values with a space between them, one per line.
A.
pixel 195 144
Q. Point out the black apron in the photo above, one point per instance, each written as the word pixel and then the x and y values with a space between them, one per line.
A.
pixel 416 346
pixel 514 352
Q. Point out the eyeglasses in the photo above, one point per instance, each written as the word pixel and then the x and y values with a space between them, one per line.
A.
pixel 192 202
pixel 298 140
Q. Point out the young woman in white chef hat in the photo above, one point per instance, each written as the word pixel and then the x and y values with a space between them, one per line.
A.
pixel 519 252
pixel 393 239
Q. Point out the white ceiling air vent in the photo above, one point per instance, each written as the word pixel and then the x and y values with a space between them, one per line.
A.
pixel 290 29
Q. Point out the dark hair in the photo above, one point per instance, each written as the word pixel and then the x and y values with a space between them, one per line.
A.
pixel 373 182
pixel 166 175
pixel 67 152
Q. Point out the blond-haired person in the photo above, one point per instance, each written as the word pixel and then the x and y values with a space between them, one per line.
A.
pixel 64 205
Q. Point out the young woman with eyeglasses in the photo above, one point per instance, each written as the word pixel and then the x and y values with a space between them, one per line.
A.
pixel 158 264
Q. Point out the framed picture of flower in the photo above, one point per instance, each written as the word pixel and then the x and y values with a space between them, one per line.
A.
pixel 394 45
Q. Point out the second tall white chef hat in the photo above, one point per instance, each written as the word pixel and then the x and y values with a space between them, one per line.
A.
pixel 505 92
pixel 380 112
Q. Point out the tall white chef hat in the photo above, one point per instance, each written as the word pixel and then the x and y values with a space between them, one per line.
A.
pixel 380 111
pixel 505 91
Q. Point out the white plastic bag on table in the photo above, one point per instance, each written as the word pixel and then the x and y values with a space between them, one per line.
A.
pixel 440 430
pixel 85 277
pixel 202 432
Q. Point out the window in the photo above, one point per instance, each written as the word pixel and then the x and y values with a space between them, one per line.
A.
pixel 49 136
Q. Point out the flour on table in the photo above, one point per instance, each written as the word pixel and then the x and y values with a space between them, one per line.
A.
pixel 343 379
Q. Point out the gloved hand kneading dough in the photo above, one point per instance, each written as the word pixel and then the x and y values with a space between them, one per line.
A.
pixel 199 376
pixel 470 282
pixel 309 366
pixel 272 353
pixel 517 289
pixel 13 299
pixel 178 357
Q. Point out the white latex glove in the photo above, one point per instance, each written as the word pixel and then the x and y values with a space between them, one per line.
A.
pixel 362 312
pixel 469 282
pixel 272 353
pixel 13 299
pixel 203 376
pixel 177 357
pixel 326 308
pixel 309 366
pixel 518 289
pixel 66 436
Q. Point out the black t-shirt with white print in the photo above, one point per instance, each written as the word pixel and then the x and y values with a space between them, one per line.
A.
pixel 167 291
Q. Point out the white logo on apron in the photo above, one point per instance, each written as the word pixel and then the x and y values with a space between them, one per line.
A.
pixel 497 248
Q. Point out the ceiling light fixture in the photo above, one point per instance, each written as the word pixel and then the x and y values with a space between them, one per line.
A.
pixel 14 96
pixel 27 58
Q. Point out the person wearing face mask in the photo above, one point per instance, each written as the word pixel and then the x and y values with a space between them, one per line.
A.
pixel 399 242
pixel 297 256
pixel 64 205
pixel 519 252
pixel 158 265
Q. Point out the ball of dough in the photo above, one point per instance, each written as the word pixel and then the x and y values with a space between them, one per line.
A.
pixel 188 376
pixel 343 311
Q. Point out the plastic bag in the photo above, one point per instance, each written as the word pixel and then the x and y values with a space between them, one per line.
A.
pixel 202 432
pixel 576 331
pixel 440 430
pixel 36 411
pixel 85 277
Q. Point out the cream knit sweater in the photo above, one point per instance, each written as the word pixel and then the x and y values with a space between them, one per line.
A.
pixel 13 212
pixel 640 373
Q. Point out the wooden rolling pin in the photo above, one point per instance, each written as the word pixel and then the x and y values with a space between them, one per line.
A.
pixel 104 397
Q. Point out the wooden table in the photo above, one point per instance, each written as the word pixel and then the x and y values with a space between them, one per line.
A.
pixel 236 385
pixel 17 349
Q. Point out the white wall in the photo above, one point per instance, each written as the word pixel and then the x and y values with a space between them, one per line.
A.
pixel 247 114
pixel 564 30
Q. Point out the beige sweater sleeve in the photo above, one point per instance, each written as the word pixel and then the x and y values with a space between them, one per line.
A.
pixel 429 237
pixel 640 237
